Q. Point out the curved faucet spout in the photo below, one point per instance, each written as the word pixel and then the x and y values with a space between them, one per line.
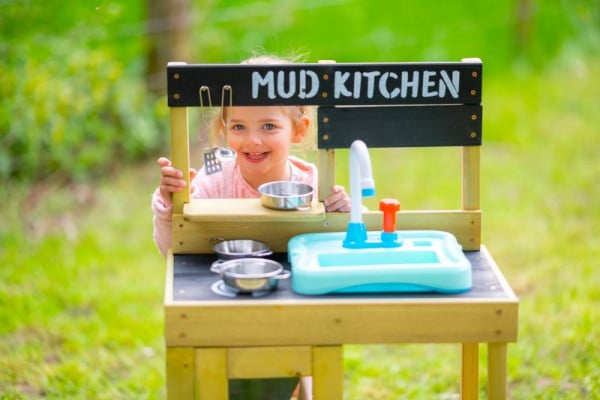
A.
pixel 361 178
pixel 361 185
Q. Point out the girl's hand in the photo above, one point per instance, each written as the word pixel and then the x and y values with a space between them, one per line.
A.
pixel 171 180
pixel 338 200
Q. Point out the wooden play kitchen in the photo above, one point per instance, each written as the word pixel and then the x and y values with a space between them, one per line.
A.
pixel 419 276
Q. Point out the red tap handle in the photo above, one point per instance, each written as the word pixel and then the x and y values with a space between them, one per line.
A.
pixel 389 208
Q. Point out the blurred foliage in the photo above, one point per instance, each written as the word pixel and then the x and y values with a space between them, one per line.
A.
pixel 501 33
pixel 74 100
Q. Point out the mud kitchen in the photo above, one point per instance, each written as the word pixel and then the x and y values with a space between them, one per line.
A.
pixel 276 287
pixel 388 84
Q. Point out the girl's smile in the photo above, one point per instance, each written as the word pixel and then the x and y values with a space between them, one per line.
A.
pixel 255 157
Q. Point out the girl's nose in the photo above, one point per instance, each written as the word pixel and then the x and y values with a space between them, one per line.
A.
pixel 254 137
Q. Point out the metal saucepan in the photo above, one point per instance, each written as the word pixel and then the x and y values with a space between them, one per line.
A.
pixel 286 195
pixel 239 248
pixel 247 275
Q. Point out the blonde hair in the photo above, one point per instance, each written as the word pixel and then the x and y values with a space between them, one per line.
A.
pixel 295 112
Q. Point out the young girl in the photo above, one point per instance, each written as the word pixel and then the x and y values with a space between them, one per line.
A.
pixel 262 138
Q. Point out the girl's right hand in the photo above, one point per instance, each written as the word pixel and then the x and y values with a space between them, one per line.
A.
pixel 338 200
pixel 171 180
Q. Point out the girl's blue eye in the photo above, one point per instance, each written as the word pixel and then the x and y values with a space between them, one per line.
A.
pixel 269 126
pixel 237 127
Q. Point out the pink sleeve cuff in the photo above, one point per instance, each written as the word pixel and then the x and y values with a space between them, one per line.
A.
pixel 161 223
pixel 161 211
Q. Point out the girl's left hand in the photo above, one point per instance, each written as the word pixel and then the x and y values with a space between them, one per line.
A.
pixel 338 200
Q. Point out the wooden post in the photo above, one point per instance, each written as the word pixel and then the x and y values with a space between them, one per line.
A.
pixel 180 373
pixel 180 153
pixel 328 372
pixel 469 377
pixel 497 371
pixel 211 374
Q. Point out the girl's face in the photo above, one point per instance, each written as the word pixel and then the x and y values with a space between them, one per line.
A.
pixel 262 138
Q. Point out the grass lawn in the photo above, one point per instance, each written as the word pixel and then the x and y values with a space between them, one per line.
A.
pixel 81 282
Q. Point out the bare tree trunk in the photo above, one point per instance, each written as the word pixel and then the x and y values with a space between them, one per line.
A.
pixel 525 12
pixel 167 25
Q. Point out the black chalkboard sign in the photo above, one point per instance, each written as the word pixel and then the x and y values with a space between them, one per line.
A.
pixel 338 84
pixel 410 126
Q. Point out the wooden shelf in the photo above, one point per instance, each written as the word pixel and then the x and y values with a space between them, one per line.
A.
pixel 246 210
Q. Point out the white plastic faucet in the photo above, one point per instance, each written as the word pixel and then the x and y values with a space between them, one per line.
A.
pixel 361 178
pixel 361 185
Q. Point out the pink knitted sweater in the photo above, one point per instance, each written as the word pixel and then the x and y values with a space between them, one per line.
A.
pixel 228 184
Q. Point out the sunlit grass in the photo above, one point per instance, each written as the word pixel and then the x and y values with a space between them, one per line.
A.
pixel 81 307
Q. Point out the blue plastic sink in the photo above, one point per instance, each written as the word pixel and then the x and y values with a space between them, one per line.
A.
pixel 426 261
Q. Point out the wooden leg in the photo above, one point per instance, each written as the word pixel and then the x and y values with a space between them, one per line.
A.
pixel 180 373
pixel 497 371
pixel 328 372
pixel 469 378
pixel 211 374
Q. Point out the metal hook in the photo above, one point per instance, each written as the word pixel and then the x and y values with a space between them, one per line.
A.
pixel 206 89
pixel 226 88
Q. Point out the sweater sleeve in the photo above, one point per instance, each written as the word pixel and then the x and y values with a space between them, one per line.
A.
pixel 161 223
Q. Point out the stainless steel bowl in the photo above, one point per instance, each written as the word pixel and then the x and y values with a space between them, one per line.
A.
pixel 247 275
pixel 240 248
pixel 286 195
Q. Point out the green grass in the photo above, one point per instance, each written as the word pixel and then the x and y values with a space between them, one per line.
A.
pixel 81 292
pixel 81 284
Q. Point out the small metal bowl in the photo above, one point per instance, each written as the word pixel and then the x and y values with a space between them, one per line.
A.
pixel 247 275
pixel 240 248
pixel 286 195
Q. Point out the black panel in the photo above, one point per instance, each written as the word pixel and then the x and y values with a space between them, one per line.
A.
pixel 192 281
pixel 400 126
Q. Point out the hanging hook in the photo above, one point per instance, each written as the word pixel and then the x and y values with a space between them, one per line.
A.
pixel 204 89
pixel 226 88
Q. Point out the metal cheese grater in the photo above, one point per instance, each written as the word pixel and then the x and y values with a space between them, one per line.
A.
pixel 211 164
pixel 215 155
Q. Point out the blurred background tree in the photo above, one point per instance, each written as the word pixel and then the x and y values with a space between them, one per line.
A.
pixel 168 39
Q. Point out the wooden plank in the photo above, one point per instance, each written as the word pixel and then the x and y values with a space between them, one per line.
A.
pixel 169 278
pixel 194 237
pixel 470 171
pixel 333 321
pixel 180 373
pixel 328 372
pixel 268 362
pixel 469 377
pixel 247 210
pixel 328 83
pixel 501 279
pixel 413 126
pixel 211 374
pixel 180 153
